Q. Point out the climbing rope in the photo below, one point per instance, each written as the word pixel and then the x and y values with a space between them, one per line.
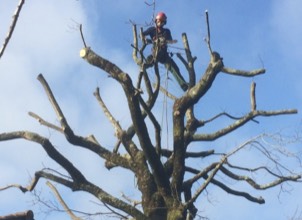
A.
pixel 165 109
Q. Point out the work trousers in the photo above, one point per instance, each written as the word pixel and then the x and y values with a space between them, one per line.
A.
pixel 170 66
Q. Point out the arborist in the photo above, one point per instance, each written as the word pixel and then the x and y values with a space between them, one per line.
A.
pixel 160 37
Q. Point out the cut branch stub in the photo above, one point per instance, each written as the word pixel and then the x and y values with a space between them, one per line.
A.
pixel 96 60
pixel 253 96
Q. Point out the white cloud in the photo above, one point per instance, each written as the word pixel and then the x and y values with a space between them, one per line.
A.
pixel 286 20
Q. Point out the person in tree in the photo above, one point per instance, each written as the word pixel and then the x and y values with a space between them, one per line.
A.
pixel 160 37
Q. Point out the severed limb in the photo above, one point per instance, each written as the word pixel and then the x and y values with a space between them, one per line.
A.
pixel 253 96
pixel 208 38
pixel 193 123
pixel 214 168
pixel 136 49
pixel 87 143
pixel 51 151
pixel 114 122
pixel 119 132
pixel 133 202
pixel 201 154
pixel 65 127
pixel 246 195
pixel 168 94
pixel 255 185
pixel 82 186
pixel 35 180
pixel 117 127
pixel 155 123
pixel 150 103
pixel 189 64
pixel 113 70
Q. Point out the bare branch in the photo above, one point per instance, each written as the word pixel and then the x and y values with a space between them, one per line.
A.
pixel 168 94
pixel 250 116
pixel 64 205
pixel 255 185
pixel 242 72
pixel 113 121
pixel 208 38
pixel 253 97
pixel 202 123
pixel 43 122
pixel 253 169
pixel 50 150
pixel 35 181
pixel 54 103
pixel 114 71
pixel 82 36
pixel 12 27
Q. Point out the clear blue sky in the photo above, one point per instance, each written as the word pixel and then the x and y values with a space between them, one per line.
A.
pixel 248 35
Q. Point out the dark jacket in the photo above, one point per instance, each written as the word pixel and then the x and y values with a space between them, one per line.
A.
pixel 159 37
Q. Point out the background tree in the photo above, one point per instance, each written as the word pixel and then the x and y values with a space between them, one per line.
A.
pixel 165 183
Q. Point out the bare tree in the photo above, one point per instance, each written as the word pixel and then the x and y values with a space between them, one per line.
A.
pixel 167 192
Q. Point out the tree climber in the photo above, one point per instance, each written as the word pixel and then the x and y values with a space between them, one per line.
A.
pixel 160 37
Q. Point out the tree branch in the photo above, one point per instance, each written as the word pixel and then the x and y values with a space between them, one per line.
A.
pixel 77 140
pixel 242 72
pixel 155 123
pixel 50 150
pixel 60 199
pixel 208 38
pixel 118 129
pixel 250 116
pixel 258 200
pixel 12 27
pixel 91 57
pixel 255 185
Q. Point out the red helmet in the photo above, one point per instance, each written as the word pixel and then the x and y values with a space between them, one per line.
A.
pixel 161 16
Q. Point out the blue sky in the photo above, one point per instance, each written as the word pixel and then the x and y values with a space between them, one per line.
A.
pixel 247 34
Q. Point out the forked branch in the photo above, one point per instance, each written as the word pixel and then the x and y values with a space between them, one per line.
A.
pixel 240 122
